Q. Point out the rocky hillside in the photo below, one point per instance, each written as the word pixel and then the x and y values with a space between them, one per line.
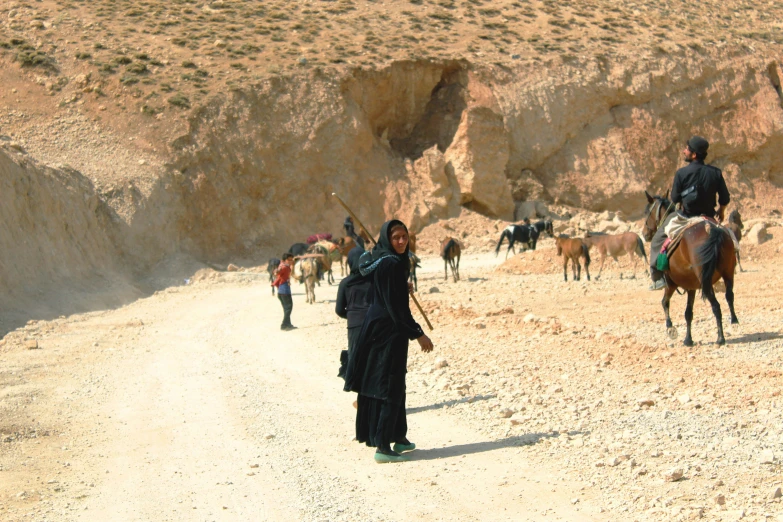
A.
pixel 220 129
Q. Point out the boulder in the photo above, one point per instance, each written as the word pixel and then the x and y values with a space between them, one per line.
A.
pixel 673 475
pixel 757 234
pixel 478 156
pixel 425 195
pixel 532 210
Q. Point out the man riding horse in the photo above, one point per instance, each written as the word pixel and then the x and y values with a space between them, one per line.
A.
pixel 351 232
pixel 695 188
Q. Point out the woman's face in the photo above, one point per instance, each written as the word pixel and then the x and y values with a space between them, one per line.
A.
pixel 399 239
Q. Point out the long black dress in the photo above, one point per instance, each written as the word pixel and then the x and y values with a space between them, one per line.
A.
pixel 353 301
pixel 377 366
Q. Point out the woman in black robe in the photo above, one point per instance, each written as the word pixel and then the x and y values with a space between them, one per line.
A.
pixel 353 301
pixel 378 364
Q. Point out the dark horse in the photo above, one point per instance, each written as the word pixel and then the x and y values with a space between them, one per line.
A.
pixel 271 268
pixel 705 255
pixel 735 225
pixel 298 249
pixel 526 234
pixel 545 225
pixel 414 262
pixel 450 251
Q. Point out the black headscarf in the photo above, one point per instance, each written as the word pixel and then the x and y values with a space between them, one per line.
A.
pixel 353 259
pixel 384 249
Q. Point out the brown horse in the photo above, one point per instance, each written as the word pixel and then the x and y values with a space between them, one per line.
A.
pixel 705 255
pixel 616 245
pixel 345 244
pixel 573 249
pixel 450 251
pixel 735 225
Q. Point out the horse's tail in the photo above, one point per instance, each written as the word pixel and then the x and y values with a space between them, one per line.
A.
pixel 586 253
pixel 708 254
pixel 447 249
pixel 640 247
pixel 500 241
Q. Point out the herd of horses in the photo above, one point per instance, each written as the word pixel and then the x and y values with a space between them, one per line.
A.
pixel 574 249
pixel 705 254
pixel 314 260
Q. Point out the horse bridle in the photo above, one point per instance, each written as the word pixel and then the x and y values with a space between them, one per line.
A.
pixel 659 219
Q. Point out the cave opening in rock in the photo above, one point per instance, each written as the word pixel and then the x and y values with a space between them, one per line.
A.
pixel 441 118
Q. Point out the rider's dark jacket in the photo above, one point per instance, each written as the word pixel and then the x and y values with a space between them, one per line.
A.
pixel 703 182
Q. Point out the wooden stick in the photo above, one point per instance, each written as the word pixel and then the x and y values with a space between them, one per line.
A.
pixel 416 302
pixel 356 219
pixel 353 216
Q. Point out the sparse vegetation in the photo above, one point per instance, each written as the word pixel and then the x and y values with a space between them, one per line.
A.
pixel 196 49
pixel 180 100
pixel 33 58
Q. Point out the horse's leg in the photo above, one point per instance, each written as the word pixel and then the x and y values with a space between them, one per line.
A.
pixel 667 297
pixel 577 268
pixel 688 341
pixel 718 315
pixel 601 268
pixel 453 270
pixel 458 267
pixel 446 268
pixel 738 262
pixel 587 268
pixel 729 281
pixel 565 267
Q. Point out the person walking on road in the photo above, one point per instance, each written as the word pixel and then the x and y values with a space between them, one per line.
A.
pixel 282 282
pixel 378 363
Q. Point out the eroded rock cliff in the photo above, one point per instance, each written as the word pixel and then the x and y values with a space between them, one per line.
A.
pixel 418 140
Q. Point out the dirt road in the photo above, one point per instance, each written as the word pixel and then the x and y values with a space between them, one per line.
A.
pixel 193 405
pixel 543 400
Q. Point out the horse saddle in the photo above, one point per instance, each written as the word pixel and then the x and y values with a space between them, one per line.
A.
pixel 675 230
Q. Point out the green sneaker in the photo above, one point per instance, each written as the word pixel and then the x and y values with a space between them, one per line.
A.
pixel 399 448
pixel 384 458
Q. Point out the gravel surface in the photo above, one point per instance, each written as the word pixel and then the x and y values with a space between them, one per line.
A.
pixel 543 400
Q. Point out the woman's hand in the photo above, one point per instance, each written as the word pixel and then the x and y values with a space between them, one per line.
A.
pixel 410 288
pixel 425 343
